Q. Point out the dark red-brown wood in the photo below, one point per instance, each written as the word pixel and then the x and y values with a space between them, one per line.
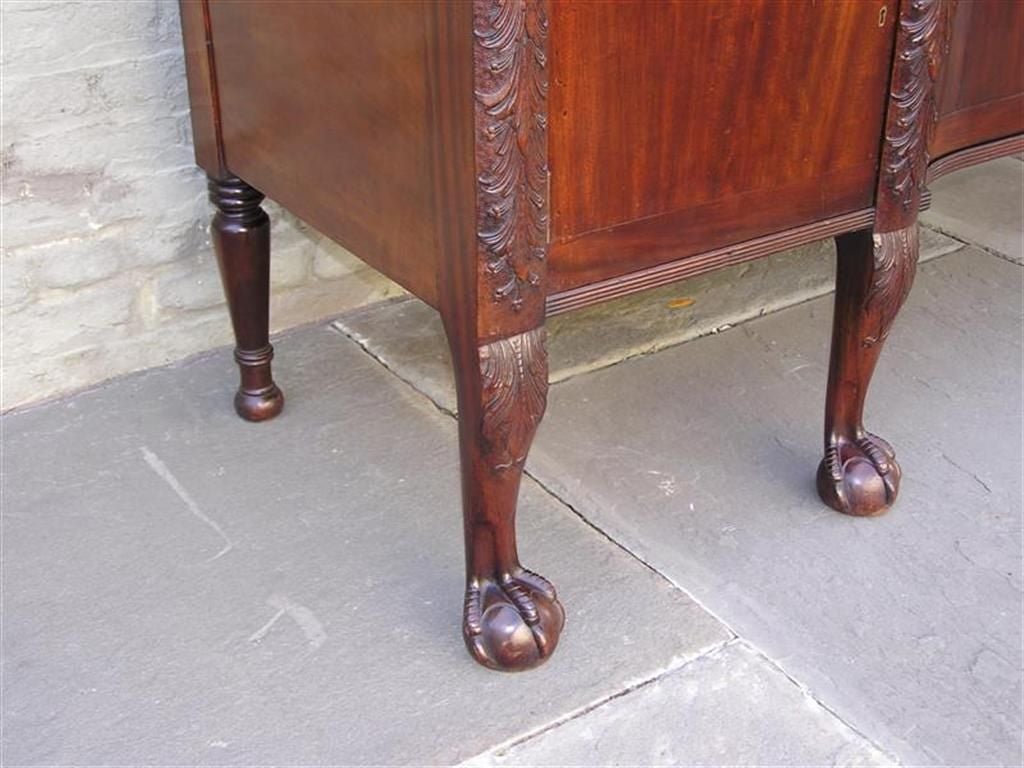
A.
pixel 859 474
pixel 326 104
pixel 506 159
pixel 981 84
pixel 241 238
pixel 490 157
pixel 202 87
pixel 681 127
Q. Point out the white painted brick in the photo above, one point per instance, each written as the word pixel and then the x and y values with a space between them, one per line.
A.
pixel 76 262
pixel 173 195
pixel 107 264
pixel 88 364
pixel 323 299
pixel 189 286
pixel 290 266
pixel 45 200
pixel 16 269
pixel 173 241
pixel 331 261
pixel 43 208
pixel 94 142
pixel 152 86
pixel 57 321
pixel 61 35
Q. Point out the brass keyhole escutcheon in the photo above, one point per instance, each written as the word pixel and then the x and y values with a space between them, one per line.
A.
pixel 882 13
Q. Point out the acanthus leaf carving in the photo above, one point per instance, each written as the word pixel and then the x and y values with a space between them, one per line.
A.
pixel 514 376
pixel 511 115
pixel 895 263
pixel 922 44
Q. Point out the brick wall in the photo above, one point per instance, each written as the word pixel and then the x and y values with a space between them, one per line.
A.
pixel 106 262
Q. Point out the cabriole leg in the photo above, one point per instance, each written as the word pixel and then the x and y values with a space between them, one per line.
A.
pixel 241 238
pixel 859 474
pixel 512 618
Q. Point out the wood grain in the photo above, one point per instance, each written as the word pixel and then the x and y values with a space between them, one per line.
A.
pixel 241 238
pixel 324 106
pixel 981 93
pixel 202 87
pixel 665 107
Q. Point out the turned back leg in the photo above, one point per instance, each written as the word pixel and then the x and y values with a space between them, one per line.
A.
pixel 241 237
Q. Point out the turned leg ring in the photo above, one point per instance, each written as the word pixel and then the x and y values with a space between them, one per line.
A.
pixel 258 397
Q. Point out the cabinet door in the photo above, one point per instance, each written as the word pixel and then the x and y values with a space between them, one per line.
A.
pixel 981 82
pixel 678 127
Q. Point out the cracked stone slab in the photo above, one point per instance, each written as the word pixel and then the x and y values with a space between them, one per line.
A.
pixel 406 334
pixel 701 459
pixel 181 587
pixel 982 205
pixel 730 707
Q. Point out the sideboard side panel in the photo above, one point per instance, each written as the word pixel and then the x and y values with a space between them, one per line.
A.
pixel 981 87
pixel 202 87
pixel 325 108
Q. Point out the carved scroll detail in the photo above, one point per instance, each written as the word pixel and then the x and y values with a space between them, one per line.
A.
pixel 511 149
pixel 922 44
pixel 895 255
pixel 515 392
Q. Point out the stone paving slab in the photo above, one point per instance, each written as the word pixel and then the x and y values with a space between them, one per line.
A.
pixel 180 587
pixel 701 460
pixel 983 204
pixel 406 334
pixel 730 707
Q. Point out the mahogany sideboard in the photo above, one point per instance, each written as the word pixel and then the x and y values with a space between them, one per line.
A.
pixel 505 160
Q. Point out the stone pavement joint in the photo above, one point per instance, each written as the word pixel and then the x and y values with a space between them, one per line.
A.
pixel 407 337
pixel 345 515
pixel 363 344
pixel 711 711
pixel 953 235
pixel 627 688
pixel 807 691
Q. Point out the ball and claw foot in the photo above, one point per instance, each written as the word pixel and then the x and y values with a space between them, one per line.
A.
pixel 859 476
pixel 512 622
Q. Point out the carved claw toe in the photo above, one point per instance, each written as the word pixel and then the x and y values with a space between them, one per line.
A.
pixel 513 622
pixel 859 476
pixel 259 405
